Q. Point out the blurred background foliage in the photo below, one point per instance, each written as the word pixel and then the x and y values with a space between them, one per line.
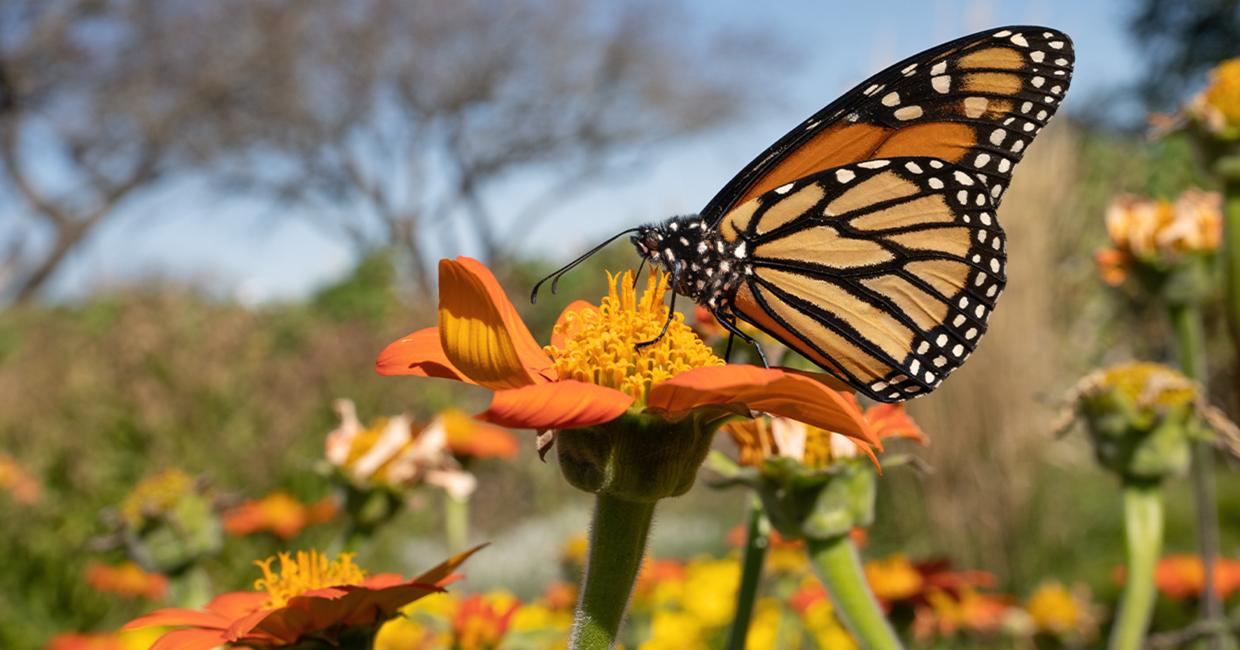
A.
pixel 382 120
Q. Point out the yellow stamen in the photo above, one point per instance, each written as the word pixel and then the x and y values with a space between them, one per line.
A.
pixel 603 350
pixel 309 571
pixel 1150 384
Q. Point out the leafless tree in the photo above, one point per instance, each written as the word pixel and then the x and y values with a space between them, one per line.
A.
pixel 99 100
pixel 398 119
pixel 390 122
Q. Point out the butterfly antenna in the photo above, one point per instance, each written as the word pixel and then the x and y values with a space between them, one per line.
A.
pixel 637 276
pixel 558 273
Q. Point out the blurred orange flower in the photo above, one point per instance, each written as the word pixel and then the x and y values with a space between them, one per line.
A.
pixel 481 623
pixel 395 452
pixel 22 485
pixel 469 438
pixel 279 513
pixel 307 596
pixel 127 580
pixel 1182 576
pixel 894 578
pixel 763 438
pixel 1055 610
pixel 1157 231
pixel 966 610
pixel 593 372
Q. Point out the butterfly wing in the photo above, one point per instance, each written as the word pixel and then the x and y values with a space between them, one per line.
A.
pixel 976 102
pixel 883 272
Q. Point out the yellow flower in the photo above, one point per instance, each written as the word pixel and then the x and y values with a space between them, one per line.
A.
pixel 155 496
pixel 765 629
pixel 671 630
pixel 894 578
pixel 710 590
pixel 536 616
pixel 402 633
pixel 1217 108
pixel 1056 610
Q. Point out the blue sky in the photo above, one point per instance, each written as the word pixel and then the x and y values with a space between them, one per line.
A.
pixel 187 231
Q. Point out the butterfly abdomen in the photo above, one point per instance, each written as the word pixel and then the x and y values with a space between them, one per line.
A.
pixel 705 266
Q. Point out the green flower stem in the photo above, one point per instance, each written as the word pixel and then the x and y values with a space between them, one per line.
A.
pixel 456 521
pixel 757 538
pixel 1186 319
pixel 617 544
pixel 1143 528
pixel 1231 250
pixel 839 568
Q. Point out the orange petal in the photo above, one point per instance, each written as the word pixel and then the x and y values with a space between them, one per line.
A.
pixel 190 640
pixel 481 332
pixel 419 354
pixel 562 332
pixel 441 573
pixel 892 421
pixel 176 616
pixel 558 405
pixel 770 390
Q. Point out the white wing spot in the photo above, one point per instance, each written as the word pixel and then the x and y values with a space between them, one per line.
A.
pixel 981 236
pixel 941 341
pixel 1058 45
pixel 1037 56
pixel 891 99
pixel 958 350
pixel 1057 89
pixel 962 178
pixel 994 265
pixel 939 68
pixel 1037 81
pixel 937 164
pixel 1020 40
pixel 985 218
pixel 908 113
pixel 942 83
pixel 971 334
pixel 913 167
pixel 958 321
pixel 975 106
pixel 1004 165
pixel 783 189
pixel 935 183
pixel 981 309
pixel 909 69
pixel 844 175
pixel 1061 62
pixel 1004 33
pixel 1017 146
pixel 997 136
pixel 1026 107
pixel 990 293
pixel 874 164
pixel 962 197
pixel 923 347
pixel 940 361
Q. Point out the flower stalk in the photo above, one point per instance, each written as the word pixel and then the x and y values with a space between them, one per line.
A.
pixel 456 519
pixel 1143 528
pixel 838 566
pixel 757 539
pixel 617 544
pixel 1187 323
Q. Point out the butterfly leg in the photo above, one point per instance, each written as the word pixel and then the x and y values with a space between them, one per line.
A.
pixel 671 311
pixel 730 325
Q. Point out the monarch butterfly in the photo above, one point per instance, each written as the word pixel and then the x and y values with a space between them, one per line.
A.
pixel 866 237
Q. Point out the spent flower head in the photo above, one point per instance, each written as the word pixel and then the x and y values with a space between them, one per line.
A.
pixel 1216 109
pixel 1164 244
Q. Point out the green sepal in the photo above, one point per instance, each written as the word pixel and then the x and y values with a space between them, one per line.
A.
pixel 641 456
pixel 1140 444
pixel 803 502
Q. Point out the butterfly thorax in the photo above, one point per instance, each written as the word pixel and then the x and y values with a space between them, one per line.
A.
pixel 706 267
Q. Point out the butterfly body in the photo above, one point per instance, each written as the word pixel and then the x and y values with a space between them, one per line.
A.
pixel 867 238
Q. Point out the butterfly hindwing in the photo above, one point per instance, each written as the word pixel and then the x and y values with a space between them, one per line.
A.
pixel 976 102
pixel 883 272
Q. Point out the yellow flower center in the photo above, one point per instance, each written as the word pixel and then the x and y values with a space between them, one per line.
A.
pixel 1224 91
pixel 305 572
pixel 1150 384
pixel 601 344
pixel 156 495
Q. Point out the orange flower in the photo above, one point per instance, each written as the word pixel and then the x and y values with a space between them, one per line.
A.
pixel 309 596
pixel 279 513
pixel 1158 231
pixel 1217 108
pixel 127 580
pixel 24 487
pixel 395 452
pixel 967 610
pixel 480 623
pixel 757 440
pixel 592 373
pixel 1182 576
pixel 469 438
pixel 95 641
pixel 894 578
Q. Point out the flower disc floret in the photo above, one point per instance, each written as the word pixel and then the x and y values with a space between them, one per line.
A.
pixel 600 346
pixel 306 571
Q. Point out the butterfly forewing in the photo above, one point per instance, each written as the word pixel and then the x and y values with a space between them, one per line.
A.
pixel 883 272
pixel 975 102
